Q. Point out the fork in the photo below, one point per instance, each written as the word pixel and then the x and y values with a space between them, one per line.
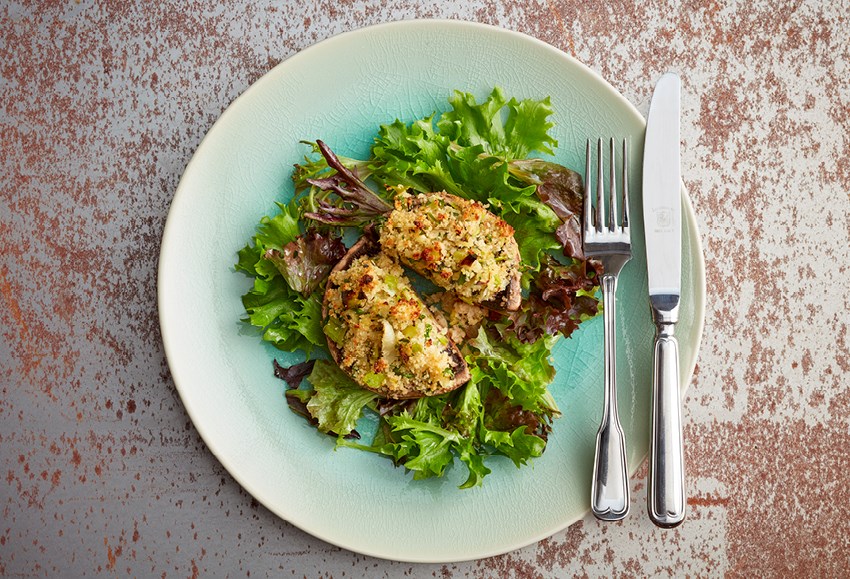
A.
pixel 610 243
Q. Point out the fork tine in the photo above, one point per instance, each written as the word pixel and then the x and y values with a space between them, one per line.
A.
pixel 600 191
pixel 625 184
pixel 588 200
pixel 612 191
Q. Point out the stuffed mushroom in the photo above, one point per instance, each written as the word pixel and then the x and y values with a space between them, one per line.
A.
pixel 454 242
pixel 457 244
pixel 382 334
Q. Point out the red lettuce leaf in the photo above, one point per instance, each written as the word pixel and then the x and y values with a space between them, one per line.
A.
pixel 562 190
pixel 558 283
pixel 293 375
pixel 355 204
pixel 305 262
pixel 561 297
pixel 501 415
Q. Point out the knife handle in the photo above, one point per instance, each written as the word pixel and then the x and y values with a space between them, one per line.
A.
pixel 666 489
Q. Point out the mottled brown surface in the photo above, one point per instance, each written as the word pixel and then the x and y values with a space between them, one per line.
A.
pixel 101 471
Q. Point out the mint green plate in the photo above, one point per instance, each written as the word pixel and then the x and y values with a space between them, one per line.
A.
pixel 340 90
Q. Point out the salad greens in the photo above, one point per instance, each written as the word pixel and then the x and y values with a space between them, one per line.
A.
pixel 477 151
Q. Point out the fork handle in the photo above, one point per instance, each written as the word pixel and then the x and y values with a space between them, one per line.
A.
pixel 666 488
pixel 610 484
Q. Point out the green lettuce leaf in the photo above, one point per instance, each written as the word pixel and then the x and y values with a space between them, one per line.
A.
pixel 423 446
pixel 414 156
pixel 289 320
pixel 338 401
pixel 470 455
pixel 298 326
pixel 534 231
pixel 266 301
pixel 507 128
pixel 468 414
pixel 273 233
pixel 517 445
pixel 521 372
pixel 426 436
pixel 486 178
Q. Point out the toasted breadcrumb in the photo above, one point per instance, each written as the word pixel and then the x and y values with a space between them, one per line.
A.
pixel 455 242
pixel 388 338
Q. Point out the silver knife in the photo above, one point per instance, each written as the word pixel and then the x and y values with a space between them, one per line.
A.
pixel 662 215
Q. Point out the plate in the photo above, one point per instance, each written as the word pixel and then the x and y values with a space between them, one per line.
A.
pixel 339 90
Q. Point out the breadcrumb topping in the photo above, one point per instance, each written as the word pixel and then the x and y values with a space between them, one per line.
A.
pixel 456 243
pixel 389 340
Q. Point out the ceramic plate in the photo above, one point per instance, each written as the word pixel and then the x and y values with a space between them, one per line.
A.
pixel 340 90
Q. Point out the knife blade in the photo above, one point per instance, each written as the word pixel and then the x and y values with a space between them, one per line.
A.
pixel 662 214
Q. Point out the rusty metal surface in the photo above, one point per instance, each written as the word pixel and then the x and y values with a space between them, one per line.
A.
pixel 101 471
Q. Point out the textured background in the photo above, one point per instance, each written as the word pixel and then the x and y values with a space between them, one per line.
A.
pixel 103 104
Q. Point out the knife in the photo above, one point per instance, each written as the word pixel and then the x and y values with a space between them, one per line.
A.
pixel 662 215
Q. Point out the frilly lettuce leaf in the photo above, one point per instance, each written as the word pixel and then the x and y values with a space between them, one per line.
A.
pixel 425 446
pixel 289 320
pixel 273 233
pixel 299 327
pixel 534 230
pixel 338 401
pixel 413 155
pixel 517 444
pixel 332 404
pixel 521 372
pixel 427 439
pixel 507 128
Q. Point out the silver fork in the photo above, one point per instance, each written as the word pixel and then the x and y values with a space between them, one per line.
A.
pixel 610 243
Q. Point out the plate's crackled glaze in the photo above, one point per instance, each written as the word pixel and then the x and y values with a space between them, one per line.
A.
pixel 339 90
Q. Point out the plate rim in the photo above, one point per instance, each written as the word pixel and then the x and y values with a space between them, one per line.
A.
pixel 167 244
